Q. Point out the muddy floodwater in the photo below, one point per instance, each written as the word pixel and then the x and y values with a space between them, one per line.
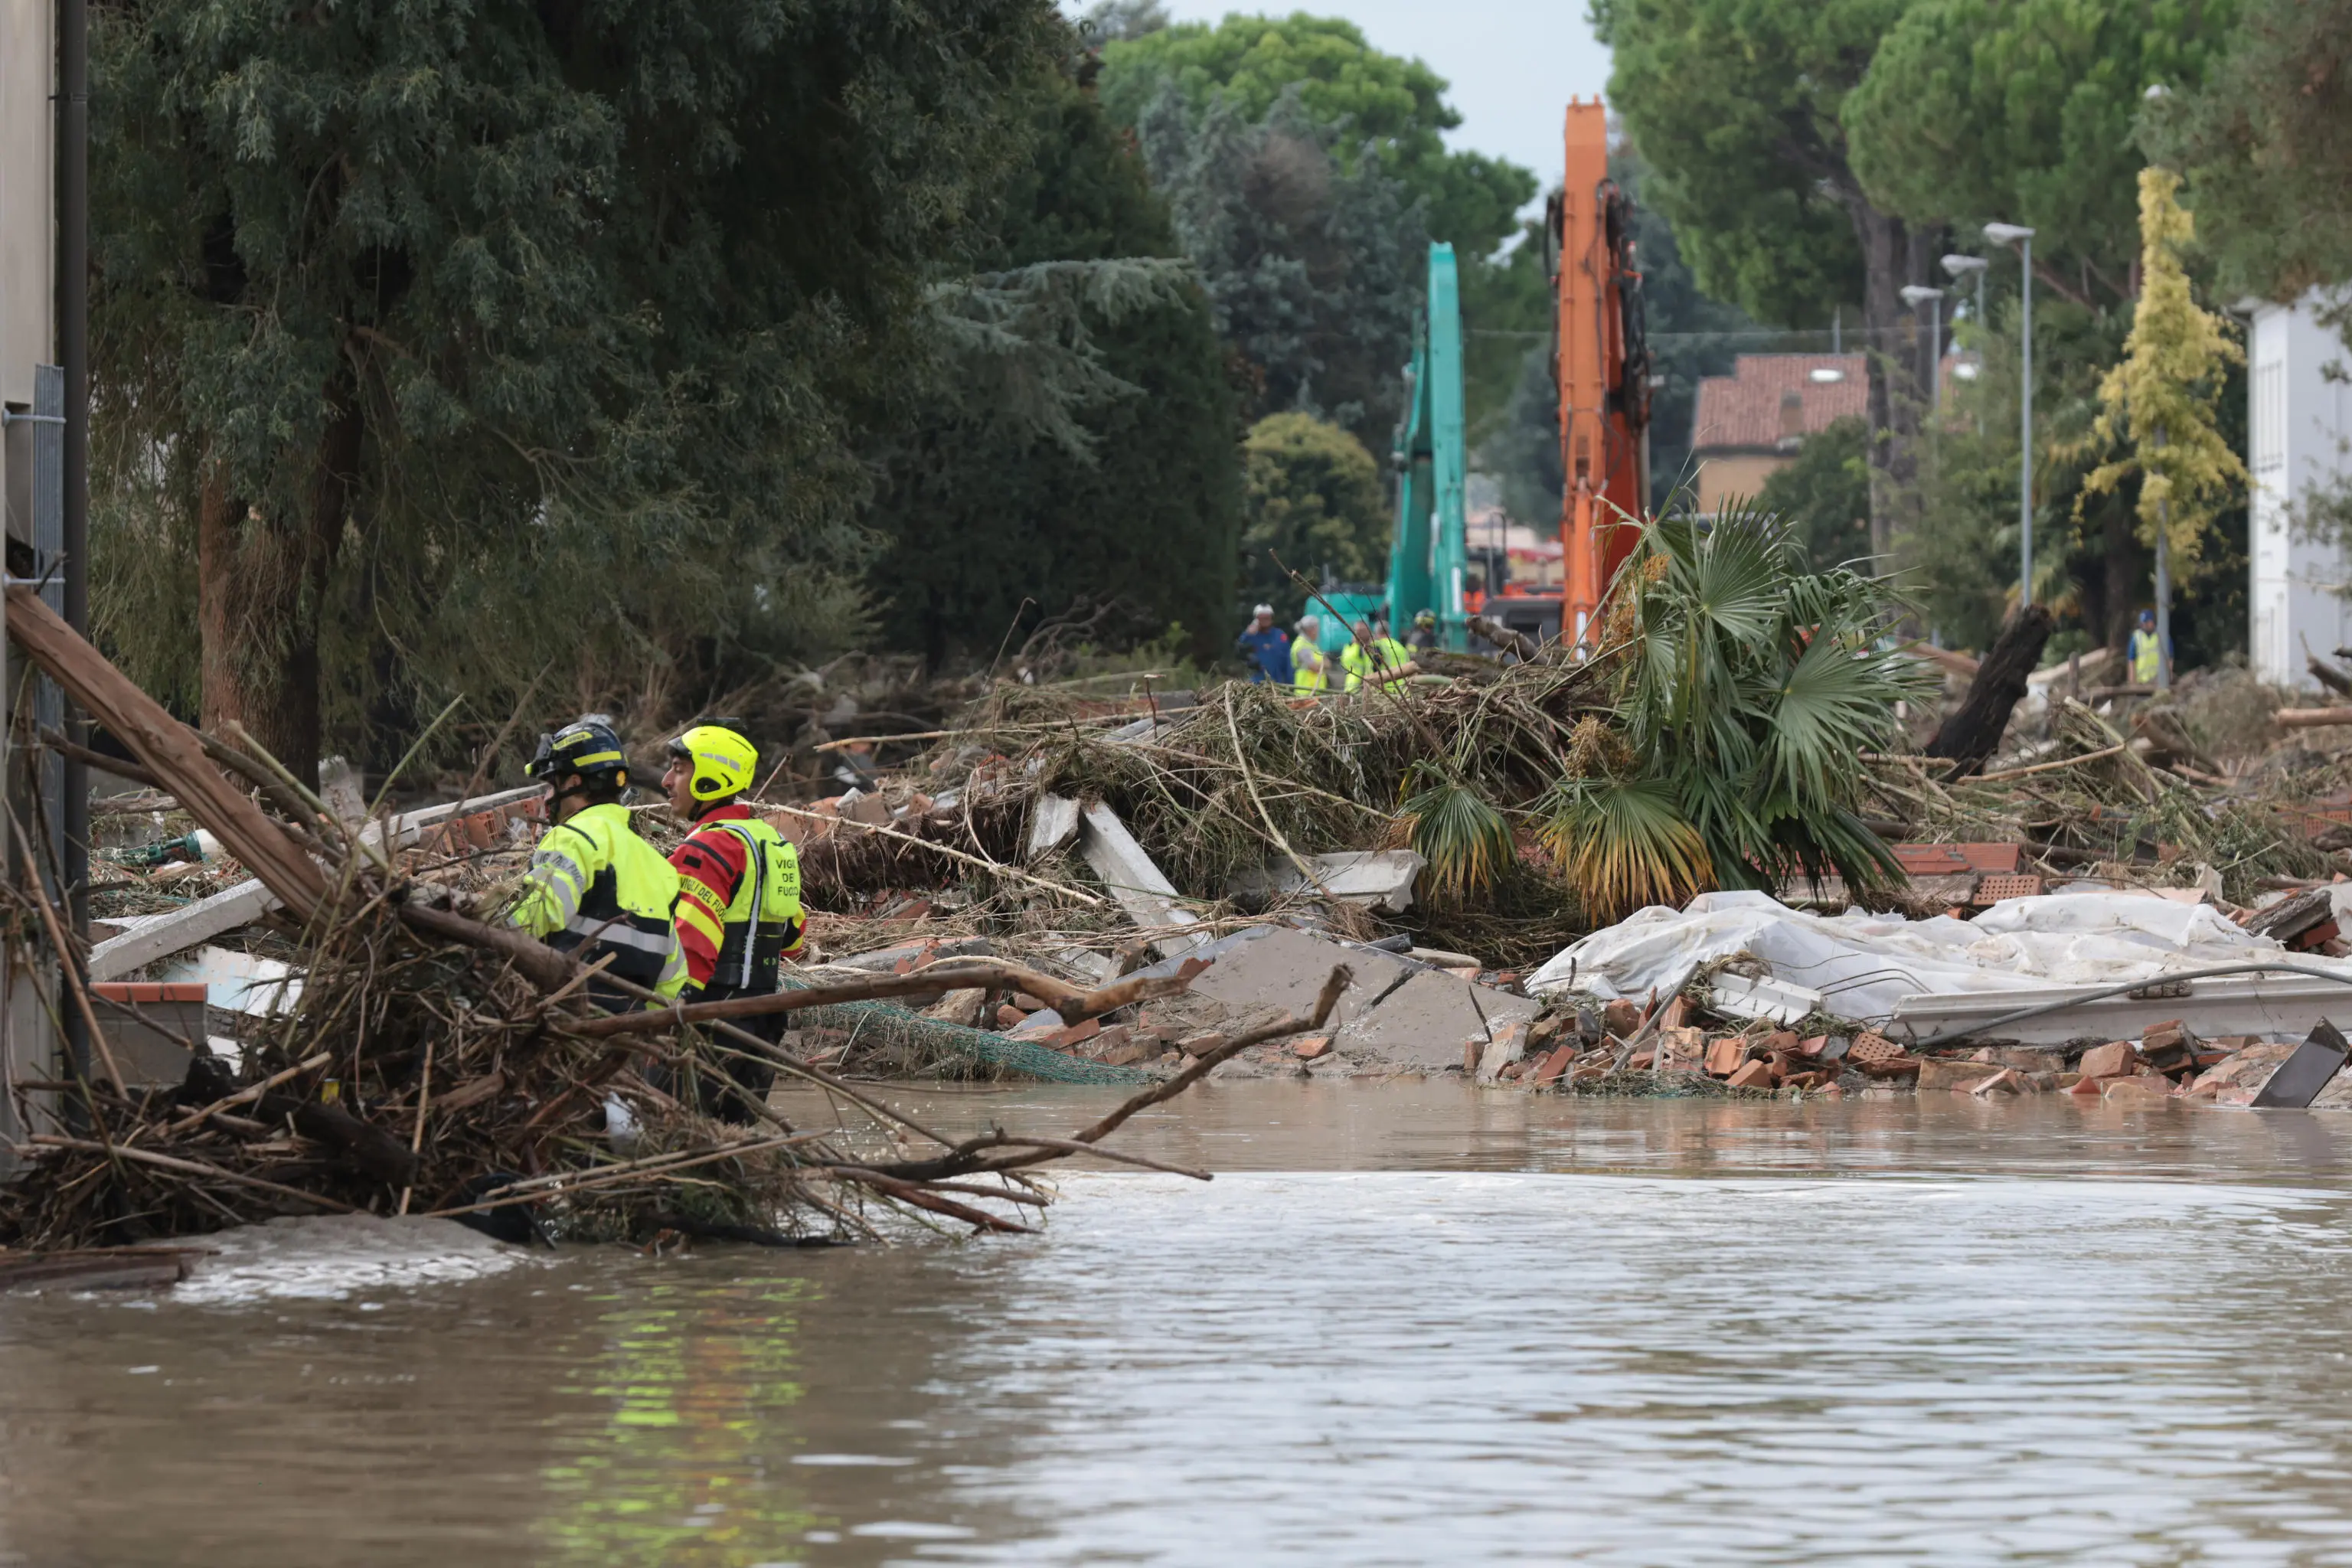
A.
pixel 1406 1324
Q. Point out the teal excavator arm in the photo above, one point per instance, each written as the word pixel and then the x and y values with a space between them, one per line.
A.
pixel 1429 551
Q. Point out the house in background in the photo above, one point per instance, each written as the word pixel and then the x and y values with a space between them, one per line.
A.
pixel 1752 421
pixel 2298 425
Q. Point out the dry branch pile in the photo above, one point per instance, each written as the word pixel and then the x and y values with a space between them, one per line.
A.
pixel 436 1065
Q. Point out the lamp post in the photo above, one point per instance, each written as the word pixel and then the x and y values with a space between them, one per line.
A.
pixel 2022 238
pixel 1915 295
pixel 1959 267
pixel 2163 578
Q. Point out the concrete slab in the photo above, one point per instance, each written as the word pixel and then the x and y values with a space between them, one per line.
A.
pixel 1375 878
pixel 1279 970
pixel 1425 1022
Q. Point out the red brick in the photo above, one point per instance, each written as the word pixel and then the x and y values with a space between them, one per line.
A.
pixel 1620 1017
pixel 1677 1015
pixel 1780 1040
pixel 2002 1082
pixel 1070 1035
pixel 2117 1058
pixel 1754 1074
pixel 1557 1063
pixel 1682 1048
pixel 1311 1048
pixel 144 993
pixel 2141 1092
pixel 1813 1048
pixel 1724 1056
pixel 1010 1016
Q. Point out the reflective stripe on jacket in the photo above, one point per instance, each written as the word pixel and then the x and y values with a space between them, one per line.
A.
pixel 1306 666
pixel 594 888
pixel 739 905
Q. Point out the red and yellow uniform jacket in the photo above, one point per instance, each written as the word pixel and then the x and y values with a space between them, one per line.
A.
pixel 739 902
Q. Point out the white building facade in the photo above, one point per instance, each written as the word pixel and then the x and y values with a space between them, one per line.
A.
pixel 2299 432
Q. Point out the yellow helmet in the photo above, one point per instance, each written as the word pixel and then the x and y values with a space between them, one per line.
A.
pixel 722 760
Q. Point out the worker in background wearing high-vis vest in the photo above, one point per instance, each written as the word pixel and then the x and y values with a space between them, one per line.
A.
pixel 739 893
pixel 596 889
pixel 1308 668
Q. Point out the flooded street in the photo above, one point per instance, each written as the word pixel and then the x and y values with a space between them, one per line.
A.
pixel 1408 1325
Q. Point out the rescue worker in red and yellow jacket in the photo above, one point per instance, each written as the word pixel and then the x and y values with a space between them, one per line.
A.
pixel 739 892
pixel 594 888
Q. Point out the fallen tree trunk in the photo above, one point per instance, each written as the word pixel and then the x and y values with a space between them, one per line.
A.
pixel 956 974
pixel 1972 732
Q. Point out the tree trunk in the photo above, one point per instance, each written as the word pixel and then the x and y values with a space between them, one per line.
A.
pixel 259 587
pixel 1972 732
pixel 2124 574
pixel 1893 254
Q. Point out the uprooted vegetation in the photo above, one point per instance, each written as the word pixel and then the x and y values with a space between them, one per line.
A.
pixel 437 1065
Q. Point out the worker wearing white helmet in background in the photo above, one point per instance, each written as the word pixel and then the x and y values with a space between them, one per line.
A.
pixel 1264 648
pixel 1307 662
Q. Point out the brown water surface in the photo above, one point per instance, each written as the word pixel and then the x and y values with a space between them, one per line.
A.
pixel 1408 1325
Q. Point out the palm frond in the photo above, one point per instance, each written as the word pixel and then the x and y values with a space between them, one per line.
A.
pixel 1465 840
pixel 1621 846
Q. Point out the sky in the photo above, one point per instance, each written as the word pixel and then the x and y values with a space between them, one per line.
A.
pixel 1512 64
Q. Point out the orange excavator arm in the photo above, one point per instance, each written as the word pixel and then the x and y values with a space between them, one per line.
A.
pixel 1603 372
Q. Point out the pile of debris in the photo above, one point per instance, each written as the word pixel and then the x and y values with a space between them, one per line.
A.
pixel 432 1064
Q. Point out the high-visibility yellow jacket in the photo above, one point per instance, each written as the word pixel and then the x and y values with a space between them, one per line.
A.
pixel 1358 661
pixel 1306 672
pixel 739 902
pixel 2144 656
pixel 594 888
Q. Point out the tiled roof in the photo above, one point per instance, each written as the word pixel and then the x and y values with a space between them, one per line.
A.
pixel 1767 397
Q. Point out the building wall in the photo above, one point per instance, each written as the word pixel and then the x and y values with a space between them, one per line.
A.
pixel 2299 421
pixel 29 452
pixel 27 236
pixel 1734 474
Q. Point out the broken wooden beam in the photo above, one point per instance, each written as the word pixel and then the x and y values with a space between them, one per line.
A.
pixel 167 749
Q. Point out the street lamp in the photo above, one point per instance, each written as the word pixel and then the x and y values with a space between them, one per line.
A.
pixel 2022 238
pixel 1959 267
pixel 1914 295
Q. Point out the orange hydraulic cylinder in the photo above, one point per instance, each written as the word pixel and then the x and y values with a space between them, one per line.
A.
pixel 1600 448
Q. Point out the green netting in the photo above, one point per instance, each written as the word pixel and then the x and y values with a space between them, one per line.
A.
pixel 895 1026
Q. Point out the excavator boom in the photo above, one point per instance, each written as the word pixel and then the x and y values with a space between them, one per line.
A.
pixel 1603 372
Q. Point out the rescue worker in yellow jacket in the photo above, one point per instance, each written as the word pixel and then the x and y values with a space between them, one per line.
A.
pixel 738 894
pixel 596 889
pixel 1308 668
pixel 1369 654
pixel 2147 652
